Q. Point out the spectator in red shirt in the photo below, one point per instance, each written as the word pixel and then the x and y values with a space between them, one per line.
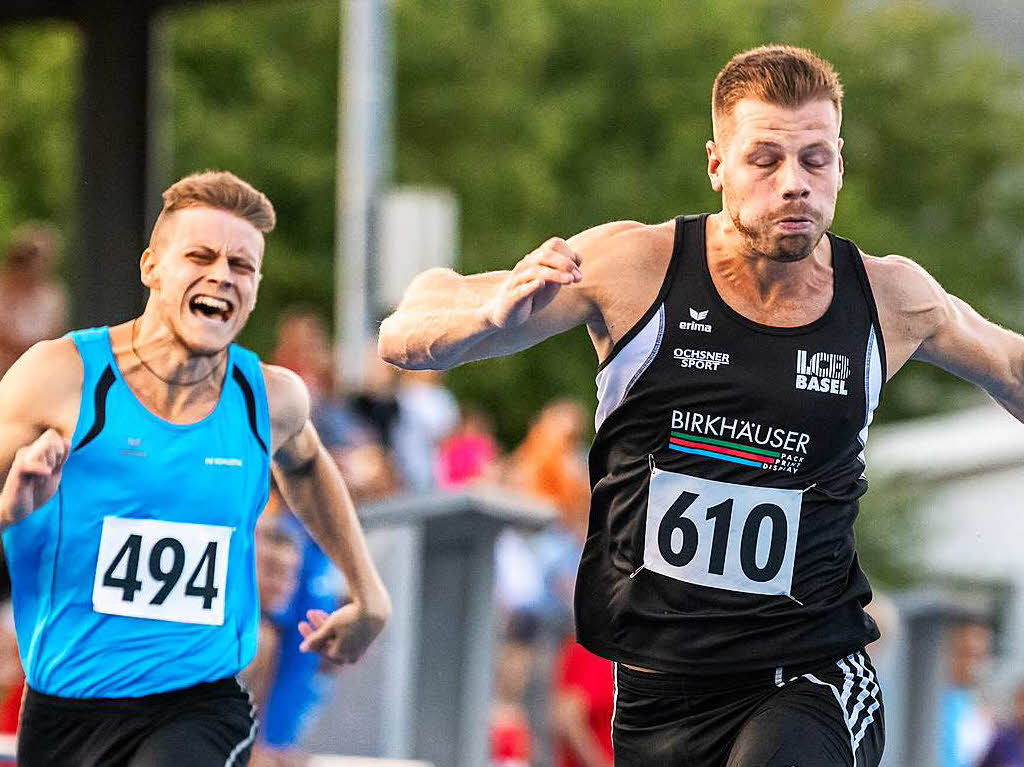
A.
pixel 583 702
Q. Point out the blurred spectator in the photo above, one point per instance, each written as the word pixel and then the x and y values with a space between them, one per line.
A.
pixel 296 685
pixel 965 725
pixel 304 346
pixel 582 704
pixel 550 466
pixel 33 303
pixel 511 739
pixel 470 454
pixel 550 463
pixel 427 413
pixel 277 570
pixel 1007 747
pixel 12 678
pixel 377 402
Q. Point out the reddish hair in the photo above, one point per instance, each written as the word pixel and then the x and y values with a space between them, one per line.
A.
pixel 221 190
pixel 778 74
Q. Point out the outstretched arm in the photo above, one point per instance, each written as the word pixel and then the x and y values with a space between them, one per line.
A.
pixel 446 319
pixel 313 488
pixel 921 321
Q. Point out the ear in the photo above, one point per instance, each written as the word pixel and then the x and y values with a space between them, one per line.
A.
pixel 842 165
pixel 148 267
pixel 714 165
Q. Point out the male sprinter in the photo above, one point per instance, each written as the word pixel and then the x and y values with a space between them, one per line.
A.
pixel 742 355
pixel 136 461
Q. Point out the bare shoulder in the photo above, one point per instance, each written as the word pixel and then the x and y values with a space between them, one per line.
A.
pixel 48 369
pixel 288 400
pixel 623 265
pixel 912 306
pixel 610 246
pixel 903 287
pixel 44 386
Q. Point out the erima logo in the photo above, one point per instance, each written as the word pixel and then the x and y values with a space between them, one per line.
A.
pixel 697 323
pixel 824 372
pixel 223 461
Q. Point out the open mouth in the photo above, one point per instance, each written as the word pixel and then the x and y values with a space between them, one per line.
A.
pixel 211 307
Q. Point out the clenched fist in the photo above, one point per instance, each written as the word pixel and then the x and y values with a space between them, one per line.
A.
pixel 534 282
pixel 34 476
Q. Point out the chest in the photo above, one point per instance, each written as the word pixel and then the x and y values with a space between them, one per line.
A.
pixel 213 471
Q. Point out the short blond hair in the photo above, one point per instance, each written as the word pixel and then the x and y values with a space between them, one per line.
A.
pixel 221 190
pixel 778 74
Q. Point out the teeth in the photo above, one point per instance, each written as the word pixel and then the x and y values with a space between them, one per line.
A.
pixel 217 304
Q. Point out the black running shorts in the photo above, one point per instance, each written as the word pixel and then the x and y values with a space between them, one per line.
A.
pixel 207 725
pixel 822 715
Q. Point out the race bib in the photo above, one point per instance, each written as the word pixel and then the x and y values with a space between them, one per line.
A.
pixel 168 571
pixel 717 534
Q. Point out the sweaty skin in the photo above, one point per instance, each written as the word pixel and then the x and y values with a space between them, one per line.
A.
pixel 173 359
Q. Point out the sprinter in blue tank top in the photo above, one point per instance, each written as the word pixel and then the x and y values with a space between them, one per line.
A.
pixel 136 460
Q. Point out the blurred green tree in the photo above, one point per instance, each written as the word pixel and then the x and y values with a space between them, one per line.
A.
pixel 38 85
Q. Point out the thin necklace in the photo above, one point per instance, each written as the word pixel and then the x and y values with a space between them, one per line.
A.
pixel 169 381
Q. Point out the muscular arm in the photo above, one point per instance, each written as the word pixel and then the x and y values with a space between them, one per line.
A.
pixel 921 321
pixel 39 393
pixel 446 319
pixel 313 488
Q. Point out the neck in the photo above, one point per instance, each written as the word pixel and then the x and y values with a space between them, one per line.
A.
pixel 168 378
pixel 733 262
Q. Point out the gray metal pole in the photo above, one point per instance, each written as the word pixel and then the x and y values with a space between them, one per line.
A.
pixel 364 104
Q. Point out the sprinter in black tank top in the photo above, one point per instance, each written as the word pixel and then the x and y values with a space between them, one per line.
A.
pixel 742 356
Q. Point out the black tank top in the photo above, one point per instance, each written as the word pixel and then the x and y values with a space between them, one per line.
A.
pixel 725 473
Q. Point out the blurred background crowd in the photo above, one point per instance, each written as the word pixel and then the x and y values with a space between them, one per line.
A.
pixel 544 117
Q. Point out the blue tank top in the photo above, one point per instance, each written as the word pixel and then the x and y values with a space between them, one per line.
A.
pixel 138 576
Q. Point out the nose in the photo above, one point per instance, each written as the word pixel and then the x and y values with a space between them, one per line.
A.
pixel 794 181
pixel 220 271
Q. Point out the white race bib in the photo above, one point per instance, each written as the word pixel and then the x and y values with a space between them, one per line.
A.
pixel 734 537
pixel 168 571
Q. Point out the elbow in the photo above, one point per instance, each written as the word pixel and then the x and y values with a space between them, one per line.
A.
pixel 393 345
pixel 395 348
pixel 389 346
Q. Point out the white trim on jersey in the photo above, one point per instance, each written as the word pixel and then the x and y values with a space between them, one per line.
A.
pixel 617 378
pixel 872 388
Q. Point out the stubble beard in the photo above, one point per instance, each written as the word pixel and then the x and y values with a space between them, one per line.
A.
pixel 785 249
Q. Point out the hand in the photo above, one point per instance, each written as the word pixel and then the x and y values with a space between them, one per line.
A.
pixel 342 636
pixel 34 476
pixel 533 283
